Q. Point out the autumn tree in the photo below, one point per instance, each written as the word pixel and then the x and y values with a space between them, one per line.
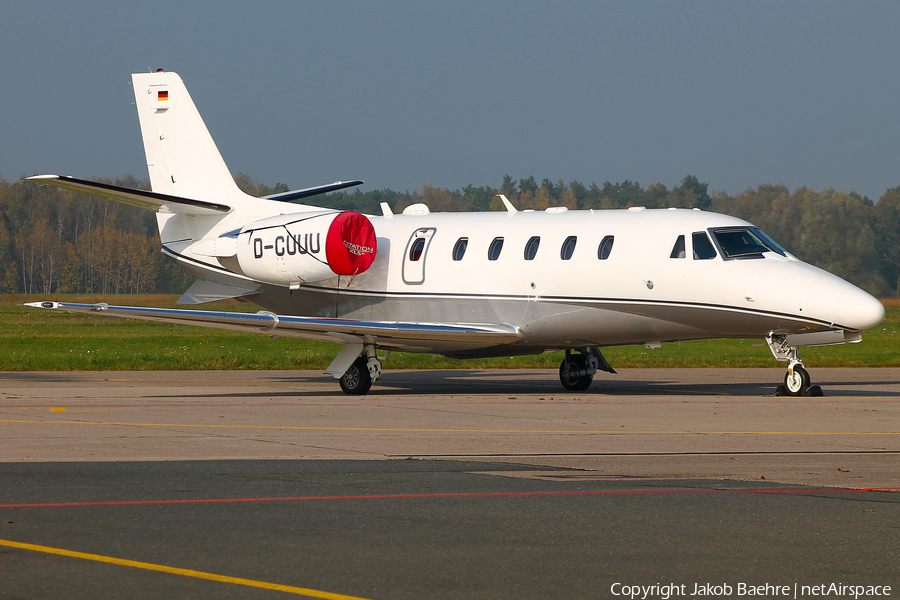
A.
pixel 885 220
pixel 692 193
pixel 835 235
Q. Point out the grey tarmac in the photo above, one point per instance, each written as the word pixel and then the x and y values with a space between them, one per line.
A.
pixel 443 484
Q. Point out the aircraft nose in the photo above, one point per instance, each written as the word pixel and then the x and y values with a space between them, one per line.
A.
pixel 858 310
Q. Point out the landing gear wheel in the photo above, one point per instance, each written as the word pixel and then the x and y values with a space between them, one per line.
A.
pixel 796 380
pixel 357 381
pixel 569 378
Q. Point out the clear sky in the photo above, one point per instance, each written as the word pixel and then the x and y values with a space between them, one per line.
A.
pixel 452 93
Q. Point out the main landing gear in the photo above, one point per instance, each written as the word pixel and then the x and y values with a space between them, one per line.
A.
pixel 796 380
pixel 577 370
pixel 365 370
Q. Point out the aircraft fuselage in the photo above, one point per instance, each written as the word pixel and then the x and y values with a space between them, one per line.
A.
pixel 554 280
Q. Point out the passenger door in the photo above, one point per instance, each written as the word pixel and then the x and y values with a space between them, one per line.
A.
pixel 414 255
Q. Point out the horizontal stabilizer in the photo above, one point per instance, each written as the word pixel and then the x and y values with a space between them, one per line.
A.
pixel 389 334
pixel 140 198
pixel 203 291
pixel 313 191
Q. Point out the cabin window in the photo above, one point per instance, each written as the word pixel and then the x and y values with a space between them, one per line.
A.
pixel 459 249
pixel 605 247
pixel 744 242
pixel 568 247
pixel 703 248
pixel 415 251
pixel 495 248
pixel 678 248
pixel 531 247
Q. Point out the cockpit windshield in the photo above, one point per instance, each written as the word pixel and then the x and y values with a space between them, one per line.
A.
pixel 745 242
pixel 772 243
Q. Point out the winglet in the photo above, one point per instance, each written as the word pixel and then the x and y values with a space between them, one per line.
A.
pixel 42 304
pixel 509 207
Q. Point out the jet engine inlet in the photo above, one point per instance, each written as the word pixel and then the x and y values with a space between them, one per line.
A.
pixel 350 244
pixel 306 247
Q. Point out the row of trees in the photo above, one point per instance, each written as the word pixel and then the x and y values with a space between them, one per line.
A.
pixel 52 240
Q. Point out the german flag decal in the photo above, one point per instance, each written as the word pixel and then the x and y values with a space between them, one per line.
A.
pixel 163 96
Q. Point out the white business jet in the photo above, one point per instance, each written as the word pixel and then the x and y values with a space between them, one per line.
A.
pixel 464 284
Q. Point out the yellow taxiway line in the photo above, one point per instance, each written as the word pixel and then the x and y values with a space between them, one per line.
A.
pixel 184 572
pixel 435 430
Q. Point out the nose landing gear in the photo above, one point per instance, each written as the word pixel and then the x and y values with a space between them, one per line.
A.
pixel 796 380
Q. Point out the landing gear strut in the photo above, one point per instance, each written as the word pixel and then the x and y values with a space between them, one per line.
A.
pixel 577 370
pixel 364 371
pixel 796 380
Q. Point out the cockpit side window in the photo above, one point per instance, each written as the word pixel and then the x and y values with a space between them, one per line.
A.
pixel 744 242
pixel 703 248
pixel 678 248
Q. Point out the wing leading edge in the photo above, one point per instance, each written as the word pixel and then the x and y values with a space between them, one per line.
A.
pixel 393 335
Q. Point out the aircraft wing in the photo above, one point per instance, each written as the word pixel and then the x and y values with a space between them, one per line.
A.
pixel 391 335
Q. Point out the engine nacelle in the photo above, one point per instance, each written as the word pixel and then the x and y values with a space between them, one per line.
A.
pixel 306 247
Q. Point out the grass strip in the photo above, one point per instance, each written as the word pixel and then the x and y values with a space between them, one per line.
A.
pixel 39 340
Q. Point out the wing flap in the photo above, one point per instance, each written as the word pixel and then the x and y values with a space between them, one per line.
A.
pixel 391 334
pixel 140 198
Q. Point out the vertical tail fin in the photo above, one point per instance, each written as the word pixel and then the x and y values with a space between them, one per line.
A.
pixel 182 157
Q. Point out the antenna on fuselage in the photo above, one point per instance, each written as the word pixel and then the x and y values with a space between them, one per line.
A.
pixel 509 207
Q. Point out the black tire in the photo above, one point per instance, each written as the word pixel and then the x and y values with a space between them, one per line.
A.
pixel 574 383
pixel 799 383
pixel 356 381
